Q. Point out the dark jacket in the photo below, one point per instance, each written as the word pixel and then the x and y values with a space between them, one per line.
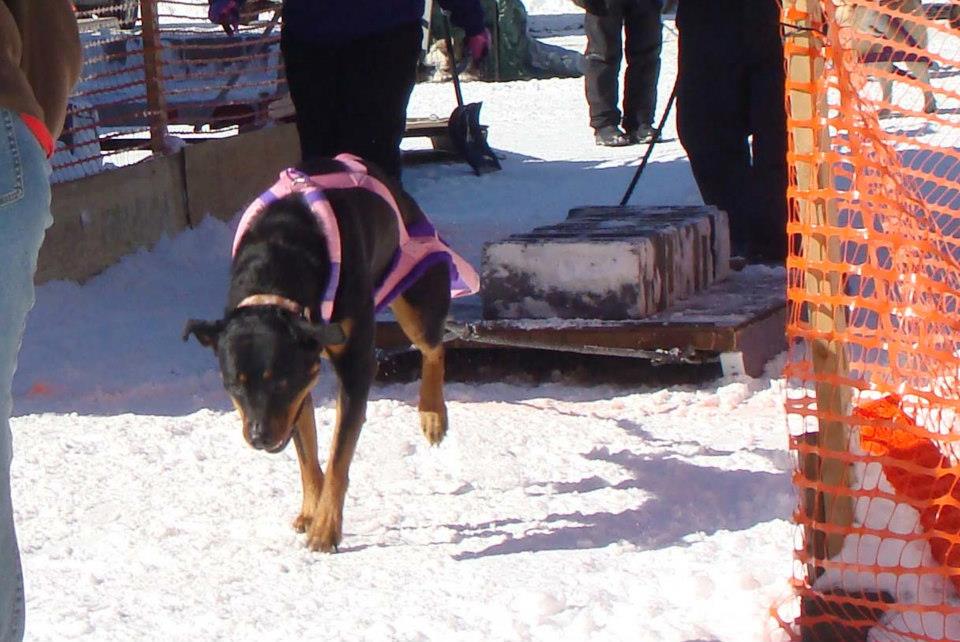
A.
pixel 731 32
pixel 335 22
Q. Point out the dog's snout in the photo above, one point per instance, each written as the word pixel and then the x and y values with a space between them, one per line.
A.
pixel 258 436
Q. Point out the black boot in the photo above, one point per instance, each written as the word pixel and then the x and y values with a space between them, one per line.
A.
pixel 611 136
pixel 642 134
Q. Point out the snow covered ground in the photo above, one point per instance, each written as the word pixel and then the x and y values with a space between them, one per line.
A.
pixel 552 512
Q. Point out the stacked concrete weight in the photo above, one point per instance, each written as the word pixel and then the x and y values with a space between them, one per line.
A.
pixel 608 263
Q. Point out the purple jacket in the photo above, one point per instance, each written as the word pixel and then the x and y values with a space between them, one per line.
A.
pixel 340 21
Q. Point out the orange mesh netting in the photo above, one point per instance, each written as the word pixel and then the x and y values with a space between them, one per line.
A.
pixel 157 74
pixel 873 103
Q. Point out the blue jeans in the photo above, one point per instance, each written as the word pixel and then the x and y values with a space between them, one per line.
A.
pixel 24 215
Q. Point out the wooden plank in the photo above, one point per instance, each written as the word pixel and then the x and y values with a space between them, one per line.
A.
pixel 807 106
pixel 153 70
pixel 741 314
pixel 416 128
pixel 759 339
pixel 426 127
pixel 437 130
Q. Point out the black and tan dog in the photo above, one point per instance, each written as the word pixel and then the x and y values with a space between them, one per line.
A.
pixel 270 341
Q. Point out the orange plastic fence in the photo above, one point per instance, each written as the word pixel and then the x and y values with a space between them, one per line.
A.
pixel 873 102
pixel 158 71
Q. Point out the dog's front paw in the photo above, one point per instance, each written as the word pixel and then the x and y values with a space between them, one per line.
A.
pixel 302 522
pixel 325 531
pixel 308 511
pixel 433 425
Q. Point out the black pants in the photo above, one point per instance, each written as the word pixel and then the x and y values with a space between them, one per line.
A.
pixel 640 21
pixel 353 97
pixel 731 118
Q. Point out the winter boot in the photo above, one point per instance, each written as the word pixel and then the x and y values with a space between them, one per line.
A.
pixel 610 136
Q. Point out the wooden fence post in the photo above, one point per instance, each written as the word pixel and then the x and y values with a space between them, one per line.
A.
pixel 153 72
pixel 821 253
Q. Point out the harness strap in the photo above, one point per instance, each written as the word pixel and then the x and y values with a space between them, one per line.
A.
pixel 414 253
pixel 357 176
pixel 294 181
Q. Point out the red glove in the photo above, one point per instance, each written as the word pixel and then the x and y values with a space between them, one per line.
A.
pixel 225 13
pixel 479 46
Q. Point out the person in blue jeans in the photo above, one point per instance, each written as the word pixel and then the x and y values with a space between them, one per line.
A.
pixel 39 64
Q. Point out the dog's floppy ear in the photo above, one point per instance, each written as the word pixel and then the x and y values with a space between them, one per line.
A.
pixel 323 334
pixel 206 332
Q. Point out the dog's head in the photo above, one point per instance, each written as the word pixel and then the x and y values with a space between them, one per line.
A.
pixel 269 361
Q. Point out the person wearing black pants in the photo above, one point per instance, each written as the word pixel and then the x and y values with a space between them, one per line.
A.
pixel 351 67
pixel 606 23
pixel 731 117
pixel 358 102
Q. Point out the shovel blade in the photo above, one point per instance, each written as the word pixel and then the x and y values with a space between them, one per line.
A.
pixel 470 140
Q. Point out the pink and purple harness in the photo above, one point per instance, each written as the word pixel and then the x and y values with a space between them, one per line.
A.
pixel 420 246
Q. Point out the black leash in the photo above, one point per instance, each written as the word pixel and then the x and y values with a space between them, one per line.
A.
pixel 653 141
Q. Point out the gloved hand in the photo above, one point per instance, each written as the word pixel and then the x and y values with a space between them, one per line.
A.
pixel 225 13
pixel 479 46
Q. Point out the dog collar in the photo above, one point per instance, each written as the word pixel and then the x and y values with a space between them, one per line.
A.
pixel 275 300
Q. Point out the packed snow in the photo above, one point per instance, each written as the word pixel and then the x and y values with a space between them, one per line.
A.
pixel 554 511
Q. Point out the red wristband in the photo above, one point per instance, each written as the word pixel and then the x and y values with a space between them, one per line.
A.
pixel 40 131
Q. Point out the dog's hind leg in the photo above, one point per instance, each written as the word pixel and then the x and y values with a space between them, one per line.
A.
pixel 356 366
pixel 421 312
pixel 305 439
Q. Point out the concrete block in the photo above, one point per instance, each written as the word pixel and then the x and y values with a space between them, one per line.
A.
pixel 99 219
pixel 224 175
pixel 611 263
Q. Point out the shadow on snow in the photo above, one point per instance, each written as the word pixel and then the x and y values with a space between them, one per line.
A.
pixel 686 499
